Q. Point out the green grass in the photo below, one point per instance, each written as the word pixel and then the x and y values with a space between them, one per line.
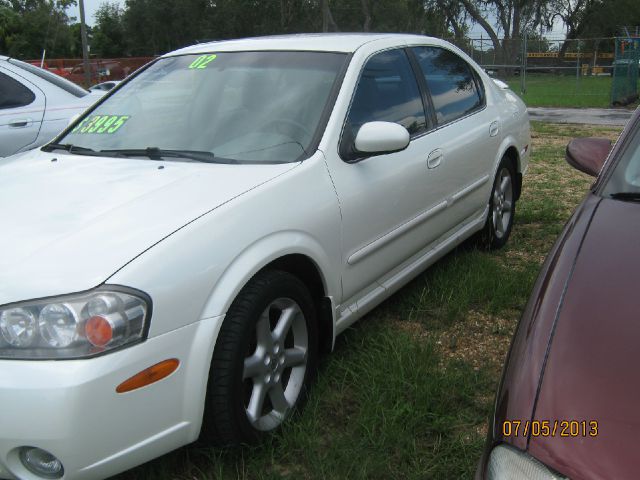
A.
pixel 548 90
pixel 408 390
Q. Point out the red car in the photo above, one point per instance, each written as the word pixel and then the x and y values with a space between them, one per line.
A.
pixel 568 405
pixel 101 71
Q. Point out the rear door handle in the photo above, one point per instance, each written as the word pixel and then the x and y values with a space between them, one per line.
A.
pixel 19 123
pixel 494 128
pixel 435 158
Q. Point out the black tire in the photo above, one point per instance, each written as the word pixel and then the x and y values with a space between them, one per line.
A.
pixel 502 207
pixel 269 298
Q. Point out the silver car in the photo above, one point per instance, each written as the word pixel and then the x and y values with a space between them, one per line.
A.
pixel 35 105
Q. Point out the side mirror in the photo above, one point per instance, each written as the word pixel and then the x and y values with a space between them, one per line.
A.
pixel 381 137
pixel 588 154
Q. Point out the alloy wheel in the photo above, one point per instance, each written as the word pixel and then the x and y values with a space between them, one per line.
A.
pixel 275 367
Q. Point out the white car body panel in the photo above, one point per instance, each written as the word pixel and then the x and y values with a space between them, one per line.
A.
pixel 104 225
pixel 191 235
pixel 44 118
pixel 86 405
pixel 253 245
pixel 20 126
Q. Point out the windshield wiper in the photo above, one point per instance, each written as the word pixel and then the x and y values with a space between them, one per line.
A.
pixel 627 196
pixel 69 148
pixel 155 153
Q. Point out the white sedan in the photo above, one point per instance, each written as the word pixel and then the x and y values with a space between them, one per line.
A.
pixel 174 262
pixel 35 105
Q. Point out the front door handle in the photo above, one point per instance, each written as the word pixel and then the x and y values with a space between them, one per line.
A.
pixel 434 158
pixel 19 123
pixel 494 128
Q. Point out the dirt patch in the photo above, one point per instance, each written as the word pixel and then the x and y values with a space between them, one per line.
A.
pixel 478 339
pixel 481 340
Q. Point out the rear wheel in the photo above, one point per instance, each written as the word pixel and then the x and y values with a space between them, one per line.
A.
pixel 502 207
pixel 264 360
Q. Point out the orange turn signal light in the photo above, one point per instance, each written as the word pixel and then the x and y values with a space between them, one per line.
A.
pixel 149 375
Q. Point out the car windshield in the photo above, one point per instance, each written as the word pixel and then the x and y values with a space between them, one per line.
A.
pixel 624 180
pixel 257 107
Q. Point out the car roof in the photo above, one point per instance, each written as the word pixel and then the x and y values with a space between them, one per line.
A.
pixel 324 42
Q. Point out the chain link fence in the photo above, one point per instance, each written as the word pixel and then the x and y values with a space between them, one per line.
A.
pixel 556 71
pixel 624 88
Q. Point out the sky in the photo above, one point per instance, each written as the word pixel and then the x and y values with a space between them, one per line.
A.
pixel 90 8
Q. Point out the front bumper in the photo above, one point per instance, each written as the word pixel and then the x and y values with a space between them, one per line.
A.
pixel 70 408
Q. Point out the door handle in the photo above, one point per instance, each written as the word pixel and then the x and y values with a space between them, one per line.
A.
pixel 434 158
pixel 19 123
pixel 494 128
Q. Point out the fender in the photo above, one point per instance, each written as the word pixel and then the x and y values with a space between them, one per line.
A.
pixel 510 141
pixel 260 254
pixel 507 142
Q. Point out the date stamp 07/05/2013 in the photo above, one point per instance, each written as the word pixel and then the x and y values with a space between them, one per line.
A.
pixel 550 428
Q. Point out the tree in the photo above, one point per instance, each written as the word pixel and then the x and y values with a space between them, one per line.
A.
pixel 410 16
pixel 514 17
pixel 153 27
pixel 109 36
pixel 9 27
pixel 599 18
pixel 31 26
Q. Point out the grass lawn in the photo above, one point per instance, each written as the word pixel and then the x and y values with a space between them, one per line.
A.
pixel 408 390
pixel 548 90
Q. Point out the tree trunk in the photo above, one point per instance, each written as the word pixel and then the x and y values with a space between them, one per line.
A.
pixel 475 14
pixel 367 16
pixel 328 23
pixel 506 50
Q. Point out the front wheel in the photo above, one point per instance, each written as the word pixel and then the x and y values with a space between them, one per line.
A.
pixel 502 207
pixel 264 360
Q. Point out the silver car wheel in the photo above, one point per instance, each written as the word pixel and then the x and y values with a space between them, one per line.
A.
pixel 274 371
pixel 502 202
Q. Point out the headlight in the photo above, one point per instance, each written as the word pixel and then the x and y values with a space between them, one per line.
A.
pixel 506 463
pixel 74 326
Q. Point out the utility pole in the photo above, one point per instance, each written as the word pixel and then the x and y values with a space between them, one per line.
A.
pixel 85 46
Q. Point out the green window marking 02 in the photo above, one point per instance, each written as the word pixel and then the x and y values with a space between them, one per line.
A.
pixel 101 124
pixel 202 61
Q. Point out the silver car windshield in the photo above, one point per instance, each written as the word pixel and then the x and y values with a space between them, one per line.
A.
pixel 240 106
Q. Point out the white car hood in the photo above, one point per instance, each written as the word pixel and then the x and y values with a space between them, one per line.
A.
pixel 68 225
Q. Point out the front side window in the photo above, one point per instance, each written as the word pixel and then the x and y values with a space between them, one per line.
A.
pixel 257 107
pixel 13 94
pixel 451 83
pixel 387 91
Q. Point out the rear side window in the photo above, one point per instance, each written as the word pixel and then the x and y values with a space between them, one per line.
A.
pixel 452 85
pixel 47 76
pixel 13 94
pixel 387 91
